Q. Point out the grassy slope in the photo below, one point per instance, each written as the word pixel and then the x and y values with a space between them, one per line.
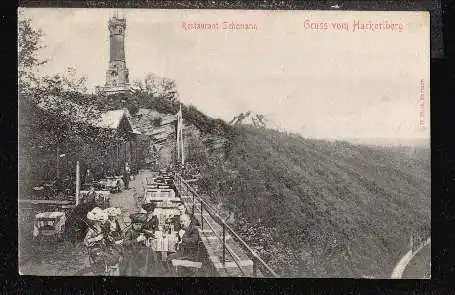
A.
pixel 299 195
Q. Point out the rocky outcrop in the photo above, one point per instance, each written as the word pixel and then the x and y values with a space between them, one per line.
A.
pixel 160 130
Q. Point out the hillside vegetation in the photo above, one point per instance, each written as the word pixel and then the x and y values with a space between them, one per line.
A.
pixel 320 208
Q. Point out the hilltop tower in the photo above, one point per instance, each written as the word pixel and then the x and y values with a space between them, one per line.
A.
pixel 117 75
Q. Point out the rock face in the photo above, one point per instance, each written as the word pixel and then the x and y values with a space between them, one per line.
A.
pixel 158 133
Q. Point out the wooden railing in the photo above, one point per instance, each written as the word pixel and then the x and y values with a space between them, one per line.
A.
pixel 258 263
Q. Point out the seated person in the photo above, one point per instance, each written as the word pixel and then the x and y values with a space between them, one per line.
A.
pixel 95 242
pixel 182 211
pixel 188 241
pixel 176 218
pixel 151 223
pixel 112 227
pixel 135 251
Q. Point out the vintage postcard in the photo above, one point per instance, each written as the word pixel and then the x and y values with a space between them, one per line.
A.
pixel 245 143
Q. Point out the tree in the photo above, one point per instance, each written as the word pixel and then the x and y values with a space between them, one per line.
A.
pixel 139 85
pixel 29 43
pixel 161 87
pixel 50 120
pixel 70 83
pixel 73 82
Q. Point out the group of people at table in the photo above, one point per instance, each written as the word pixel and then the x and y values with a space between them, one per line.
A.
pixel 135 250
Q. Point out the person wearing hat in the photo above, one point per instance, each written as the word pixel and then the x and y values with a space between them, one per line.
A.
pixel 176 218
pixel 112 226
pixel 95 241
pixel 154 266
pixel 151 224
pixel 134 246
pixel 113 233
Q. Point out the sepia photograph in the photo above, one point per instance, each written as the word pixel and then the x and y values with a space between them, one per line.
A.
pixel 224 143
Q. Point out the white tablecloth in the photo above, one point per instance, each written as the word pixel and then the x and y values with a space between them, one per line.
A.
pixel 163 244
pixel 160 194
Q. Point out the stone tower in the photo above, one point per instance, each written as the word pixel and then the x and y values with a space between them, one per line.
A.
pixel 117 75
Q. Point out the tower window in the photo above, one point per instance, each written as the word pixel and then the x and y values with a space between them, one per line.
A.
pixel 113 73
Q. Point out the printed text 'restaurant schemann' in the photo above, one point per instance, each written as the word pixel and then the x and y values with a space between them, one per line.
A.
pixel 194 26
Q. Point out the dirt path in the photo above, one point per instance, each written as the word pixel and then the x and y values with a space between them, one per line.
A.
pixel 420 266
pixel 406 259
pixel 129 200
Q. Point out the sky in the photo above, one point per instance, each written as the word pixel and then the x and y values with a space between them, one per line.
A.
pixel 321 83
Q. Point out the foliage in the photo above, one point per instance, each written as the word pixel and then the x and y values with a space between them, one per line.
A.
pixel 69 82
pixel 191 115
pixel 159 87
pixel 29 43
pixel 322 208
pixel 53 115
pixel 196 151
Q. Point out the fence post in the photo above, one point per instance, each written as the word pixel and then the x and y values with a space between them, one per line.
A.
pixel 78 182
pixel 193 203
pixel 202 217
pixel 224 243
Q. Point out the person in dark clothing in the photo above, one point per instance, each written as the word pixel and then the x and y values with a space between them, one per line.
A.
pixel 126 177
pixel 135 251
pixel 112 226
pixel 188 241
pixel 90 198
pixel 151 224
pixel 89 178
pixel 95 241
pixel 176 218
pixel 113 232
pixel 153 265
pixel 175 221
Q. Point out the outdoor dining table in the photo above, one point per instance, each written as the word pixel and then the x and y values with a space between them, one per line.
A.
pixel 155 180
pixel 168 204
pixel 158 195
pixel 149 199
pixel 163 243
pixel 164 213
